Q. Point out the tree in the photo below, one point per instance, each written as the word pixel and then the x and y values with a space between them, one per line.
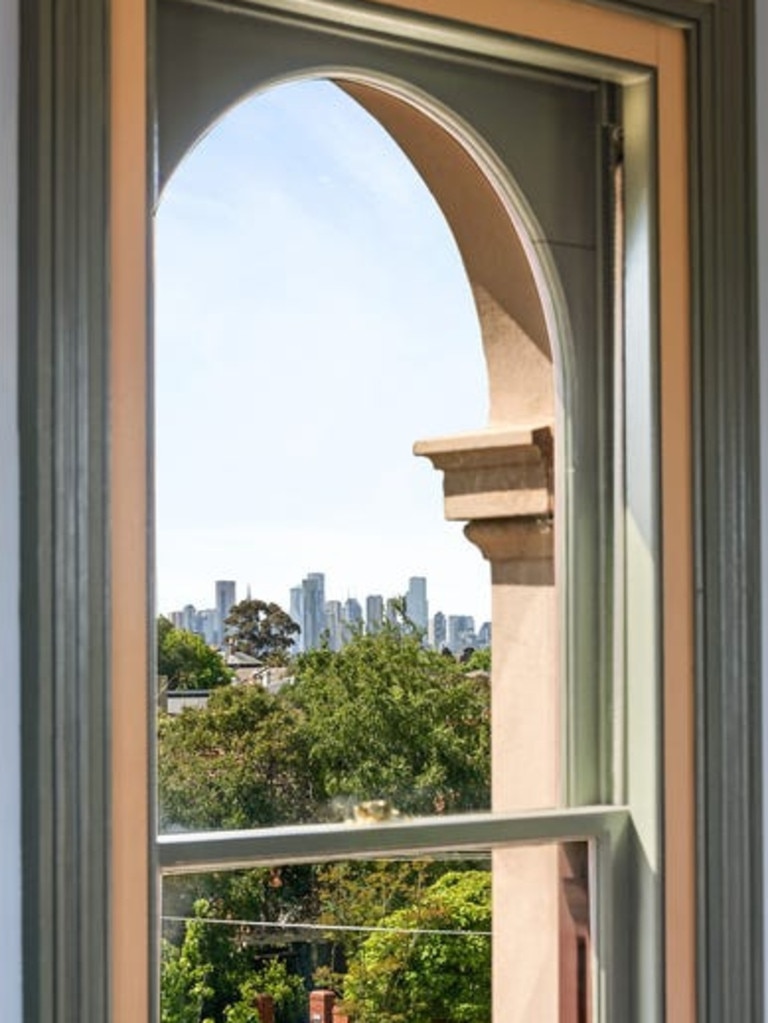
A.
pixel 262 630
pixel 413 973
pixel 357 894
pixel 225 942
pixel 187 970
pixel 383 725
pixel 387 720
pixel 185 661
pixel 287 990
pixel 240 762
pixel 183 986
pixel 478 660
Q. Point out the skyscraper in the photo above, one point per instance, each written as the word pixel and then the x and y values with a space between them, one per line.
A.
pixel 438 632
pixel 461 632
pixel 352 612
pixel 189 618
pixel 333 624
pixel 208 624
pixel 226 596
pixel 297 614
pixel 313 609
pixel 416 606
pixel 484 635
pixel 352 618
pixel 374 612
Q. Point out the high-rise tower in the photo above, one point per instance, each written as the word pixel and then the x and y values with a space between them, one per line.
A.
pixel 374 612
pixel 297 614
pixel 438 632
pixel 313 609
pixel 334 624
pixel 226 597
pixel 416 606
pixel 352 618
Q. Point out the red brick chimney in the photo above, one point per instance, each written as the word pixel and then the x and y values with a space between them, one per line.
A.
pixel 265 1006
pixel 321 1007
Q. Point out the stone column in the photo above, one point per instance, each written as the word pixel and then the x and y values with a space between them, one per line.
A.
pixel 501 482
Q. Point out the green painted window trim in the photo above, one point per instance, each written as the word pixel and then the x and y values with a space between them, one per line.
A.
pixel 64 424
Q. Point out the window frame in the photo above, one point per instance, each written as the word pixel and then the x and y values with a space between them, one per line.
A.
pixel 83 199
pixel 588 695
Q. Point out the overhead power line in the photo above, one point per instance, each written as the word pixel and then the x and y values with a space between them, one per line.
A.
pixel 297 925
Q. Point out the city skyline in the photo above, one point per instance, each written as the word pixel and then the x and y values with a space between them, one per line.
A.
pixel 211 603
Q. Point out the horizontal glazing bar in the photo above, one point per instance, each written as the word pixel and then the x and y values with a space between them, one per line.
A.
pixel 227 850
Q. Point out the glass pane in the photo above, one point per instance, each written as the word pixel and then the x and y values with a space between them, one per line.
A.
pixel 324 645
pixel 469 938
pixel 380 729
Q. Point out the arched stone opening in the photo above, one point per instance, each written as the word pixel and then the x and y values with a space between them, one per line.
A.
pixel 516 341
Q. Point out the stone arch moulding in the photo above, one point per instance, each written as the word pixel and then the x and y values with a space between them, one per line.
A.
pixel 518 297
pixel 497 251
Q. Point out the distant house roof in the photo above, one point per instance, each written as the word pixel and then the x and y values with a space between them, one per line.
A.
pixel 238 659
pixel 178 700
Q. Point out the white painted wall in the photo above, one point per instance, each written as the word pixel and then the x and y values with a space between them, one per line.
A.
pixel 10 789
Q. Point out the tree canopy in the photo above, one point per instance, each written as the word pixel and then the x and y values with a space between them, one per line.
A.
pixel 431 960
pixel 261 629
pixel 240 762
pixel 185 661
pixel 382 725
pixel 387 719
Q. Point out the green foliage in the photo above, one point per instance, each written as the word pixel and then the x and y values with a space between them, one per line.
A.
pixel 201 973
pixel 261 629
pixel 386 719
pixel 273 979
pixel 183 987
pixel 383 723
pixel 287 893
pixel 400 976
pixel 383 719
pixel 230 950
pixel 479 660
pixel 359 894
pixel 185 661
pixel 240 762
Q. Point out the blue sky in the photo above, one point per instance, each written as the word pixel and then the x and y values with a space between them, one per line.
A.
pixel 313 320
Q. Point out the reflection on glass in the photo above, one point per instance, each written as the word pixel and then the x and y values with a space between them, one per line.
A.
pixel 384 941
pixel 379 729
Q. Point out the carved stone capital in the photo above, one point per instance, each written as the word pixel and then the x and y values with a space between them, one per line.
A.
pixel 523 539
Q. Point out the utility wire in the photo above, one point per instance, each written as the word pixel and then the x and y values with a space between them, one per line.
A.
pixel 285 926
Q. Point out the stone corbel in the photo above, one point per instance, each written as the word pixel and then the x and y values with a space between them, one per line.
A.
pixel 501 483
